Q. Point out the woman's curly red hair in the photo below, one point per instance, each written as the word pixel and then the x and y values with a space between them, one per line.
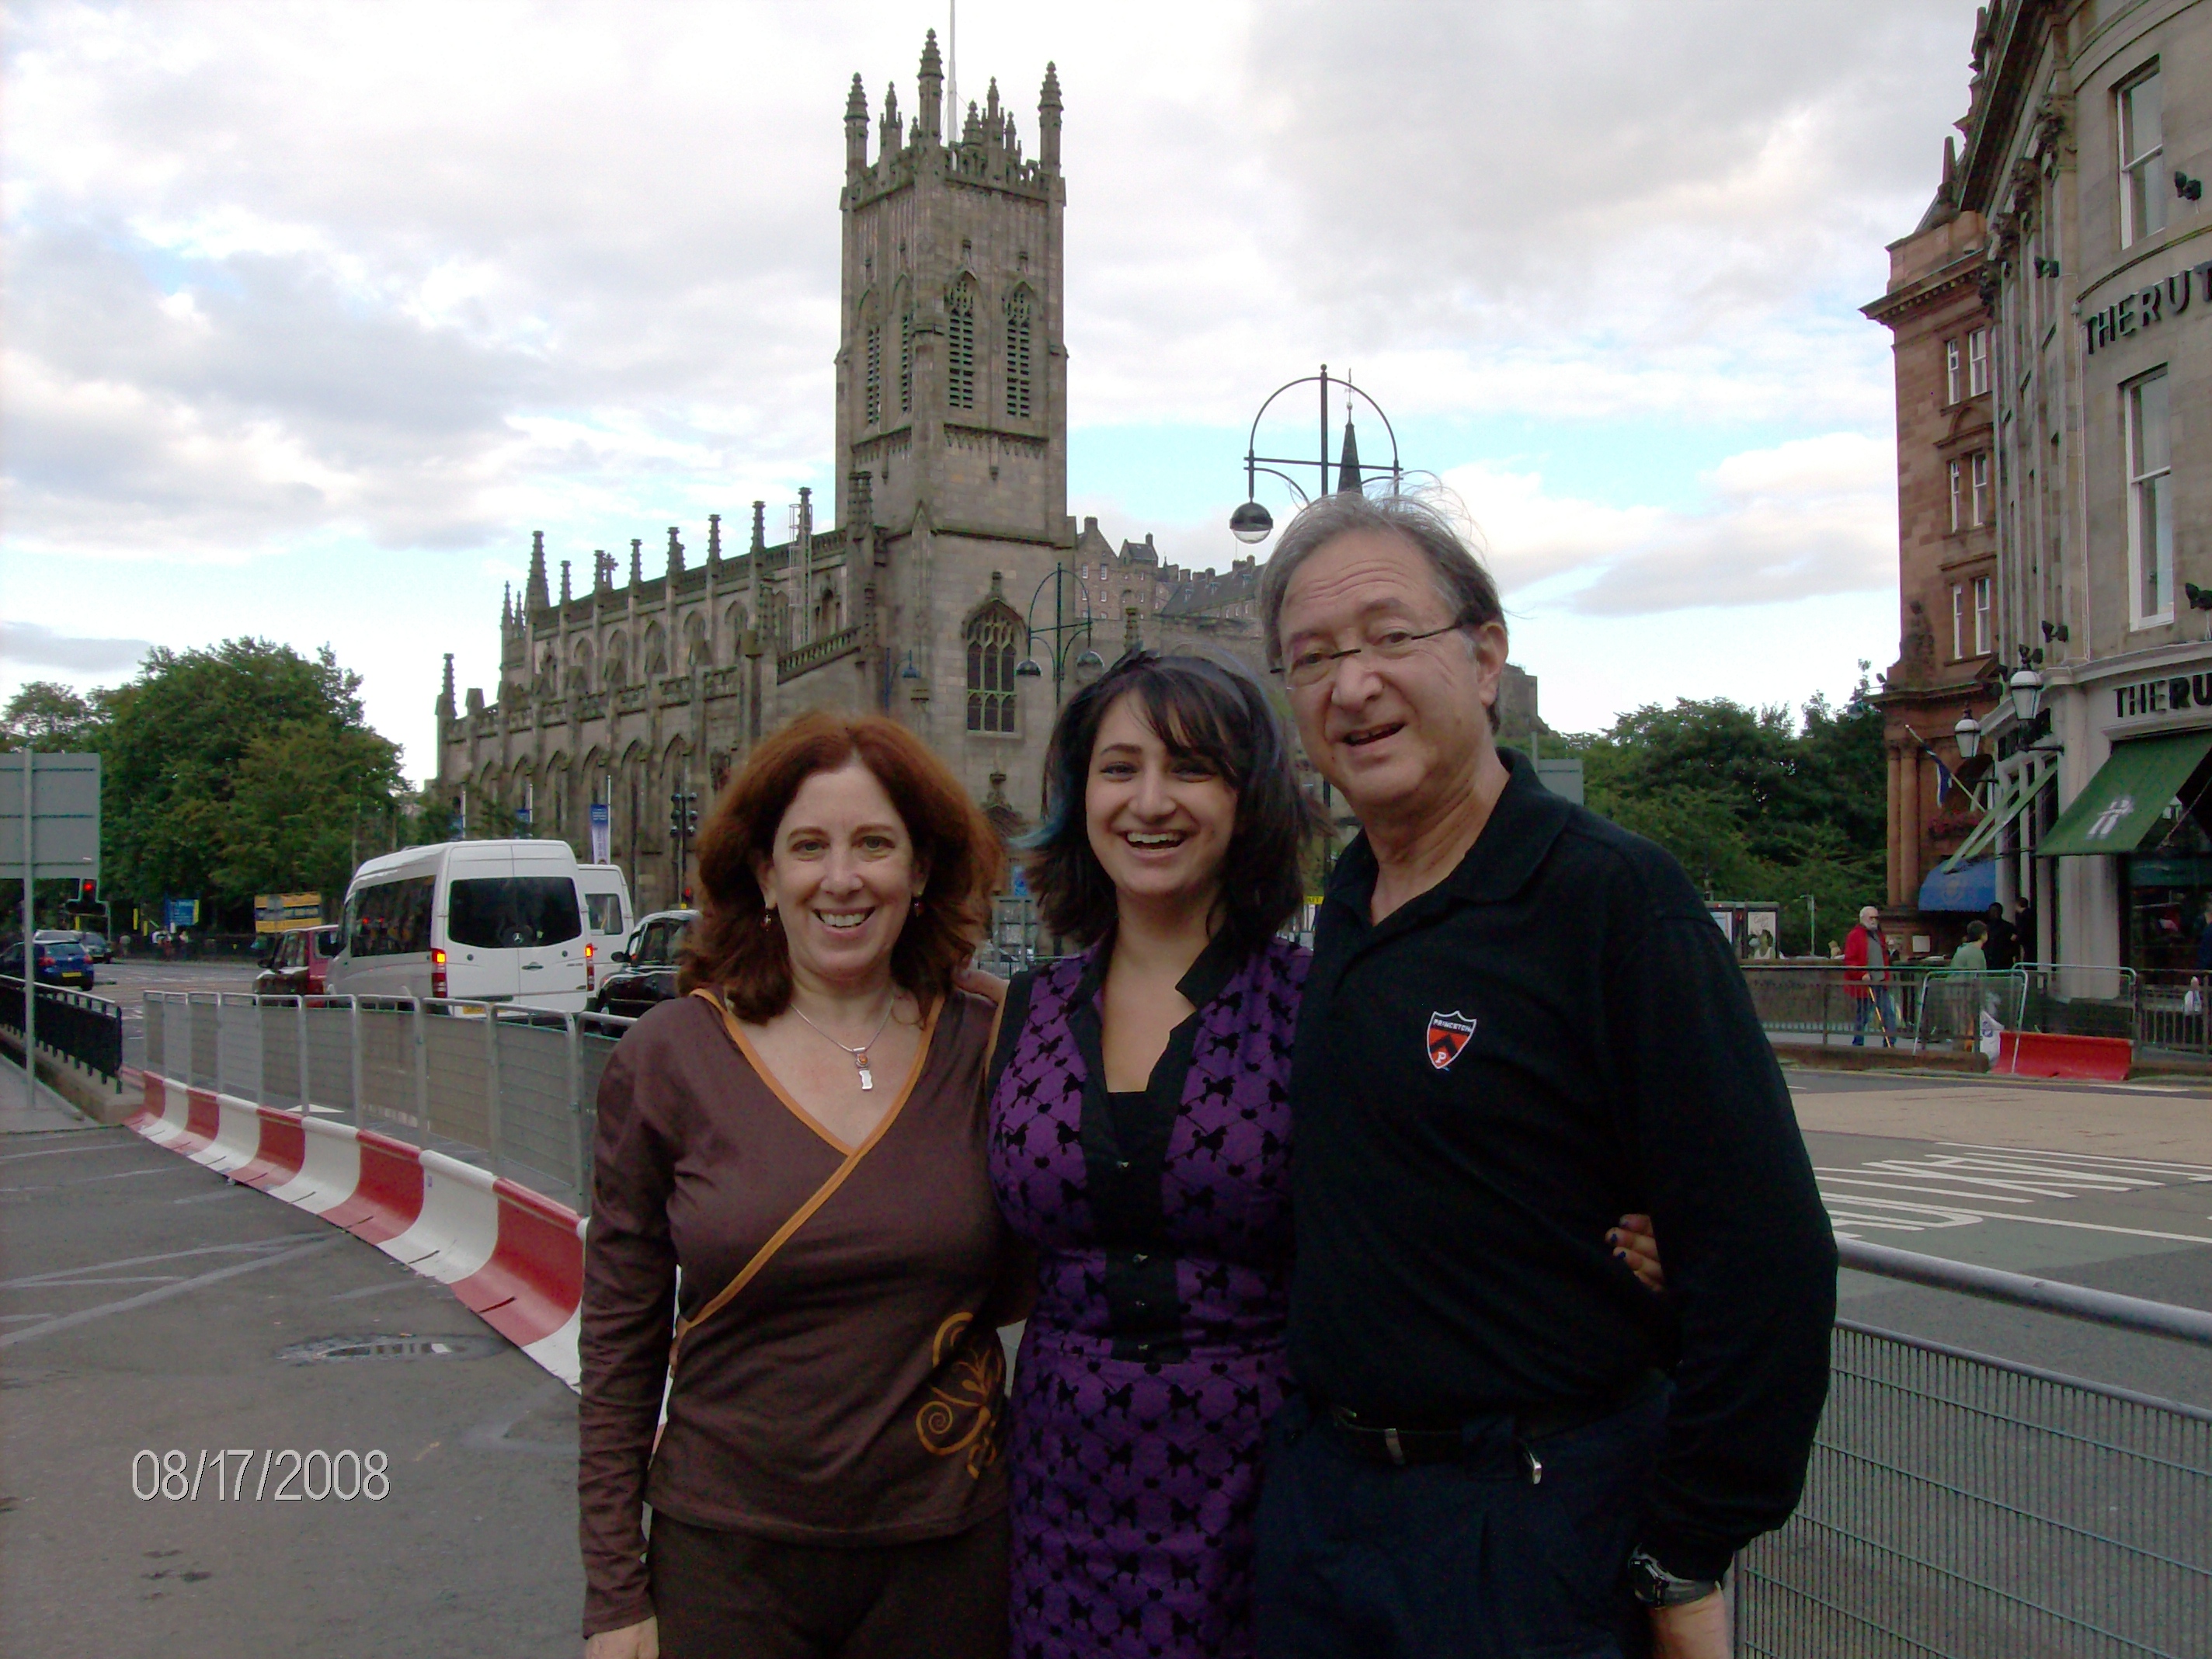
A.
pixel 728 947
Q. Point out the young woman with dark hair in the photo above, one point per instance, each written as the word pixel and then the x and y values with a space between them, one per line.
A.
pixel 1139 1139
pixel 802 1134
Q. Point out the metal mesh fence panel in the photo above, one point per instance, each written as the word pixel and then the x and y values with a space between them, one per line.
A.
pixel 460 1074
pixel 1958 1506
pixel 157 1033
pixel 205 1010
pixel 238 1047
pixel 329 1056
pixel 280 1051
pixel 537 1114
pixel 387 1066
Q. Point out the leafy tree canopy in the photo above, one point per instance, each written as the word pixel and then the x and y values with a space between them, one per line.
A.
pixel 48 716
pixel 1754 804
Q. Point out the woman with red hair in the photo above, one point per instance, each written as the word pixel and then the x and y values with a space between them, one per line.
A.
pixel 802 1136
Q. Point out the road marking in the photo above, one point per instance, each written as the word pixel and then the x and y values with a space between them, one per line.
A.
pixel 1953 1216
pixel 1842 1179
pixel 131 1145
pixel 2191 1171
pixel 127 1174
pixel 146 1298
pixel 59 1274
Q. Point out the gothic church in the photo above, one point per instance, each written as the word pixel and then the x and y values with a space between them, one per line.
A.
pixel 950 518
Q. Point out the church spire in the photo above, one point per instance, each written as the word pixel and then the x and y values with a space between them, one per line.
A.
pixel 1049 121
pixel 675 555
pixel 856 131
pixel 931 114
pixel 636 560
pixel 535 596
pixel 1347 471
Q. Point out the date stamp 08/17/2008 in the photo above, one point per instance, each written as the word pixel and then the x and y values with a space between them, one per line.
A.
pixel 284 1477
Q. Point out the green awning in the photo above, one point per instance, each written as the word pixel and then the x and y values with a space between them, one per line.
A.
pixel 2011 800
pixel 2129 794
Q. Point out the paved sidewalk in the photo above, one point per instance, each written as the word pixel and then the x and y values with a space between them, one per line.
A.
pixel 19 1116
pixel 2116 1121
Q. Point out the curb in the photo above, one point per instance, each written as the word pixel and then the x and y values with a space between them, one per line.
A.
pixel 512 1257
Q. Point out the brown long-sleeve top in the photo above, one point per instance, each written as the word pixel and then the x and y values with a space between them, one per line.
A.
pixel 852 1393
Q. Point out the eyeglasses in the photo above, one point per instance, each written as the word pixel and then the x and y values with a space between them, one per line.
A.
pixel 1311 664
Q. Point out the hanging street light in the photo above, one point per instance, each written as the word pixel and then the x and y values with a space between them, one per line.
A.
pixel 2027 687
pixel 1968 732
pixel 1252 523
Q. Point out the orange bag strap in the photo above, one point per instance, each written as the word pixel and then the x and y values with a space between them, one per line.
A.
pixel 799 1217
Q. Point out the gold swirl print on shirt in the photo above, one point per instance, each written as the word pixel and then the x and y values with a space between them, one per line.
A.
pixel 964 1408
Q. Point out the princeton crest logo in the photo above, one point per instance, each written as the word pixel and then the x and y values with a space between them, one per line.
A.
pixel 1448 1035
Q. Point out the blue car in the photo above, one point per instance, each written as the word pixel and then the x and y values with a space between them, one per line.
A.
pixel 60 963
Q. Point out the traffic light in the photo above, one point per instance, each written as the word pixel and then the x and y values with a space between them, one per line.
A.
pixel 88 891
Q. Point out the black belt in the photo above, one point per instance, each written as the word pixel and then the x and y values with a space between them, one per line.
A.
pixel 1404 1442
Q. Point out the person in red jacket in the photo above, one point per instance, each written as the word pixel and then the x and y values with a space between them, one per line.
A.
pixel 1866 976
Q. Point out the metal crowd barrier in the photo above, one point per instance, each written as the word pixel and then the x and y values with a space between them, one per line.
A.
pixel 509 1089
pixel 86 1029
pixel 1933 1006
pixel 1959 1506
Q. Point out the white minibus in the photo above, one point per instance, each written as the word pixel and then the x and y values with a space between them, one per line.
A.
pixel 480 920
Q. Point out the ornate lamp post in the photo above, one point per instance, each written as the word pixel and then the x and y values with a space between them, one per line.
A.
pixel 1064 633
pixel 1252 523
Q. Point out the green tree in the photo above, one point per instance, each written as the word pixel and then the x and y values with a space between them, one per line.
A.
pixel 48 716
pixel 195 727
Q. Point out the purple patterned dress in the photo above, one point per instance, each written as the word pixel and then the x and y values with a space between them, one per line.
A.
pixel 1155 1357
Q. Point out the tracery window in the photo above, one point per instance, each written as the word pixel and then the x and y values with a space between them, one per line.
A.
pixel 1018 381
pixel 875 385
pixel 960 345
pixel 991 635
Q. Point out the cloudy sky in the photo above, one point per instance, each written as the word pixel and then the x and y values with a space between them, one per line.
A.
pixel 313 312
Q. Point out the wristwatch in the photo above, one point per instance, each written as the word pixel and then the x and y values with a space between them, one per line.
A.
pixel 1655 1587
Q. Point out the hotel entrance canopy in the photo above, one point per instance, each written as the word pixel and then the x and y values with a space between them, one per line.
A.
pixel 2128 798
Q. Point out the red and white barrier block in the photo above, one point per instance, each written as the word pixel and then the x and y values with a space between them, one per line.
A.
pixel 513 1257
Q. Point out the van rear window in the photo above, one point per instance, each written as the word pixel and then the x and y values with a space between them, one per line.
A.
pixel 511 912
pixel 606 912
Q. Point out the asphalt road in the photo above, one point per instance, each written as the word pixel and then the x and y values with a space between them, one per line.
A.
pixel 2138 1224
pixel 148 1307
pixel 126 983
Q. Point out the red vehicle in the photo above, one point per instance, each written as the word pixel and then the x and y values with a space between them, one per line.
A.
pixel 300 963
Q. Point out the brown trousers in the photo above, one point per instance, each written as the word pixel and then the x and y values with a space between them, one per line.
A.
pixel 730 1596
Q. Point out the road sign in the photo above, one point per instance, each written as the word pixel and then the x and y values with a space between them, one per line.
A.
pixel 64 811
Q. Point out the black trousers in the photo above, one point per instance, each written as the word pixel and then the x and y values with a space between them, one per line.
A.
pixel 730 1596
pixel 1359 1559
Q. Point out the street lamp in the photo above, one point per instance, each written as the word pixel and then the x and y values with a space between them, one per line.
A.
pixel 1968 732
pixel 1063 634
pixel 2026 686
pixel 1252 523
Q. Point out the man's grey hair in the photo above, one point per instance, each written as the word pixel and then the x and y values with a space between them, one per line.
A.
pixel 1467 589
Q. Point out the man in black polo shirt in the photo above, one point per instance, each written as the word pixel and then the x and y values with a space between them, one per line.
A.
pixel 1520 1022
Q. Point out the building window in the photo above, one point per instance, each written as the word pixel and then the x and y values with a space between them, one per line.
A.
pixel 2142 159
pixel 960 346
pixel 875 374
pixel 906 361
pixel 1958 622
pixel 2150 499
pixel 1979 470
pixel 1984 588
pixel 1018 355
pixel 991 636
pixel 1953 380
pixel 1978 363
pixel 1957 496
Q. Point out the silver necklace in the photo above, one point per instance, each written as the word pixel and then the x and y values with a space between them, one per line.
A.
pixel 860 1055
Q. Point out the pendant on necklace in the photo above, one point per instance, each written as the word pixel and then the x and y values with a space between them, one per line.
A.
pixel 868 1077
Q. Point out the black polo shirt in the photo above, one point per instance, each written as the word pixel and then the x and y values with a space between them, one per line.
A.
pixel 1555 1035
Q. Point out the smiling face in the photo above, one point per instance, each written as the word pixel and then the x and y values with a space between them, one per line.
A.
pixel 843 878
pixel 1160 823
pixel 1402 739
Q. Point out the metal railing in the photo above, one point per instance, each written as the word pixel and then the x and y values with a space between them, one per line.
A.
pixel 509 1089
pixel 1959 1505
pixel 1928 1006
pixel 86 1029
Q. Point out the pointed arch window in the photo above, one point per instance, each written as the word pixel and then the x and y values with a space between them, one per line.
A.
pixel 991 635
pixel 875 376
pixel 1019 383
pixel 960 345
pixel 906 361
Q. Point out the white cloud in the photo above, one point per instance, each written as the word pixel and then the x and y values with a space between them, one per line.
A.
pixel 31 646
pixel 1812 516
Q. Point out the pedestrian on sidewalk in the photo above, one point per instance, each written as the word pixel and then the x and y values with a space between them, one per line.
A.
pixel 1519 1018
pixel 1971 958
pixel 2003 948
pixel 1866 976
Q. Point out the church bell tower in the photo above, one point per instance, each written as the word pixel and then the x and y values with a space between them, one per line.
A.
pixel 951 367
